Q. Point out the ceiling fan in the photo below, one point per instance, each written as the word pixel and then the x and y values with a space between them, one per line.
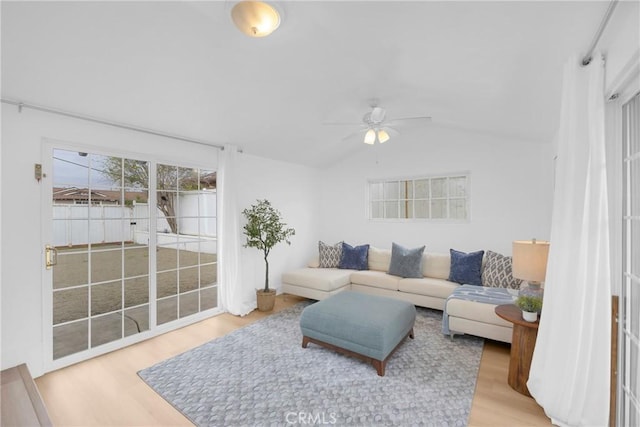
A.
pixel 376 127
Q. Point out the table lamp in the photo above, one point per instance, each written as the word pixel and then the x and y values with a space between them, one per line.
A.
pixel 530 265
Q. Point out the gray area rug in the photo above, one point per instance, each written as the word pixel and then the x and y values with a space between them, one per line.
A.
pixel 260 375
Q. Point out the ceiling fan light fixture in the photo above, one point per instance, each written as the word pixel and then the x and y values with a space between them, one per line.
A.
pixel 255 18
pixel 383 136
pixel 370 137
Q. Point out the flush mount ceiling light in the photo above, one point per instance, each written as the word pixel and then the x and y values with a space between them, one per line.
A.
pixel 255 18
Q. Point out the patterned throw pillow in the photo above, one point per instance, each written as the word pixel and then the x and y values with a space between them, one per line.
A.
pixel 354 258
pixel 466 268
pixel 406 262
pixel 498 272
pixel 329 255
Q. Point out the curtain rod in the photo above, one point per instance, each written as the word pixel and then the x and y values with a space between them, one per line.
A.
pixel 586 60
pixel 22 105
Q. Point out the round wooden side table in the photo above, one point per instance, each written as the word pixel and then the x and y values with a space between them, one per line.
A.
pixel 523 341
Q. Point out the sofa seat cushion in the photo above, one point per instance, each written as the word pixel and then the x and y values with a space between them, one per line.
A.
pixel 376 279
pixel 476 311
pixel 428 286
pixel 322 279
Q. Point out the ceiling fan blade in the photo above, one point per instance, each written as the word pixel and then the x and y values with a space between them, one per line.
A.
pixel 400 119
pixel 360 133
pixel 342 123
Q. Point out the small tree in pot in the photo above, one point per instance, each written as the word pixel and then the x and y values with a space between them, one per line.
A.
pixel 264 229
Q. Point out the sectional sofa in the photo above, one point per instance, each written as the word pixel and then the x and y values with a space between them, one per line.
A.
pixel 432 290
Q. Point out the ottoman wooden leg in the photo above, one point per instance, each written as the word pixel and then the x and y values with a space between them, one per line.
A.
pixel 411 333
pixel 379 365
pixel 305 342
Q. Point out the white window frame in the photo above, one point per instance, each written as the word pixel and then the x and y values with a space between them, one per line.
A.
pixel 409 200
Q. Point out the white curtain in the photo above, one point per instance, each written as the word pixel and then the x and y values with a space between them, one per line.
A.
pixel 234 296
pixel 569 374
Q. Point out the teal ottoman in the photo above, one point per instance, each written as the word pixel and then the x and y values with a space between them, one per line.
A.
pixel 365 326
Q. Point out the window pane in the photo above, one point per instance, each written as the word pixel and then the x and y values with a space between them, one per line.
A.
pixel 438 209
pixel 136 320
pixel 377 210
pixel 167 310
pixel 376 190
pixel 187 179
pixel 208 251
pixel 136 175
pixel 208 275
pixel 72 268
pixel 458 186
pixel 439 187
pixel 105 329
pixel 406 209
pixel 136 291
pixel 208 180
pixel 105 173
pixel 209 298
pixel 167 178
pixel 457 209
pixel 106 297
pixel 136 261
pixel 422 189
pixel 72 304
pixel 70 338
pixel 189 258
pixel 167 284
pixel 391 190
pixel 208 227
pixel 421 208
pixel 70 170
pixel 189 304
pixel 188 279
pixel 167 253
pixel 391 209
pixel 106 265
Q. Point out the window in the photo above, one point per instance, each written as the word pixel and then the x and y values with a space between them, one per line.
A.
pixel 425 198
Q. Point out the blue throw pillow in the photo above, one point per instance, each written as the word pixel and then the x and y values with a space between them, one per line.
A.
pixel 406 262
pixel 466 268
pixel 354 258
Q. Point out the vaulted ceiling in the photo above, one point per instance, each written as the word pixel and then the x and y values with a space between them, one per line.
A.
pixel 182 67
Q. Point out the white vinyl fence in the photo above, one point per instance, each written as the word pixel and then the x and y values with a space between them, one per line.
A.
pixel 81 224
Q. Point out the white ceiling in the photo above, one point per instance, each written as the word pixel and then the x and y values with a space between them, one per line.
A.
pixel 183 68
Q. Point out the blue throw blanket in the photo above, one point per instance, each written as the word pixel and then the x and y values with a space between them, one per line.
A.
pixel 495 296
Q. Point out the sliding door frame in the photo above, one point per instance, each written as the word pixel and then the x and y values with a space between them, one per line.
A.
pixel 48 146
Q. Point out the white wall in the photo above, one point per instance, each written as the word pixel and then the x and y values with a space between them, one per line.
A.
pixel 511 191
pixel 620 42
pixel 289 187
pixel 292 189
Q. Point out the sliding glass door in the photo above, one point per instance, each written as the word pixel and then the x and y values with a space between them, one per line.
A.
pixel 131 245
pixel 629 346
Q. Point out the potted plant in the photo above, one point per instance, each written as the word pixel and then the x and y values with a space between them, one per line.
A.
pixel 530 306
pixel 264 229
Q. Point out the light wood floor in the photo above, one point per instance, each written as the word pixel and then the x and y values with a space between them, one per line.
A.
pixel 106 390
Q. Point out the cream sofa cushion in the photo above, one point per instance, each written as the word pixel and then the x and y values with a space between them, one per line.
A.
pixel 379 259
pixel 438 288
pixel 436 265
pixel 375 279
pixel 323 279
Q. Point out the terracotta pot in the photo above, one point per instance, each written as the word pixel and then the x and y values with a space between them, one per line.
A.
pixel 266 299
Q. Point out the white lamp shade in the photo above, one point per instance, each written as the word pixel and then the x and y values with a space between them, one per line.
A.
pixel 255 18
pixel 530 260
pixel 383 136
pixel 370 137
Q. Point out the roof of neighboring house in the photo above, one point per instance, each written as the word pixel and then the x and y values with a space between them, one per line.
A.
pixel 113 196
